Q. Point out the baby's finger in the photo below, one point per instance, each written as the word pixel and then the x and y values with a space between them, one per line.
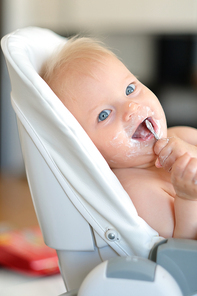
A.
pixel 179 167
pixel 160 150
pixel 166 157
pixel 184 177
pixel 190 173
pixel 159 145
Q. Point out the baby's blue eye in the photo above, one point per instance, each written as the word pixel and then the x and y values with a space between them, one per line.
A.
pixel 103 115
pixel 130 88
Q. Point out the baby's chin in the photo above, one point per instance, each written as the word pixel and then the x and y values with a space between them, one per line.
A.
pixel 140 162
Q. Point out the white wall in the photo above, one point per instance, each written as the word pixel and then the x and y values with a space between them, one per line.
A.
pixel 131 15
pixel 104 16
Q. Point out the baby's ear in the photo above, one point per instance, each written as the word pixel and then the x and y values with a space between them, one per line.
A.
pixel 158 164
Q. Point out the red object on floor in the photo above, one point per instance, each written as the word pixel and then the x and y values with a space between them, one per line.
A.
pixel 25 251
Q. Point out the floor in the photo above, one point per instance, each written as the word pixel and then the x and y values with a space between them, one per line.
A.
pixel 16 207
pixel 16 211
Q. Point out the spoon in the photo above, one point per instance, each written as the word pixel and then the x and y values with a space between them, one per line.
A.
pixel 151 129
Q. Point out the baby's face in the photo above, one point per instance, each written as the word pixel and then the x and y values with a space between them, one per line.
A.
pixel 112 107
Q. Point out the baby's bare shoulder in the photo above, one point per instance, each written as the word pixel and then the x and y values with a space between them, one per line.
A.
pixel 145 182
pixel 188 134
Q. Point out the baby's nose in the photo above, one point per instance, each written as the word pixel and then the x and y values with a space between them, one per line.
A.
pixel 130 109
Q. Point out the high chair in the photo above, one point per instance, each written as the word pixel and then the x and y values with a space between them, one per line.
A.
pixel 83 211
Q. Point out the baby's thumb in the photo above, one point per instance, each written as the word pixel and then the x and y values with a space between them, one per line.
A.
pixel 160 144
pixel 158 164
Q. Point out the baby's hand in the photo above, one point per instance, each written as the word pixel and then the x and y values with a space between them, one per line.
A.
pixel 170 149
pixel 180 158
pixel 184 177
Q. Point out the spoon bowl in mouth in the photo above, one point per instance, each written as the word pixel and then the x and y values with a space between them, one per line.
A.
pixel 151 128
pixel 142 133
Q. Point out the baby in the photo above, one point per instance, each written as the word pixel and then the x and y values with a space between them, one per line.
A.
pixel 111 104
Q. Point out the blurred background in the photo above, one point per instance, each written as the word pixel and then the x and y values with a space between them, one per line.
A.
pixel 156 39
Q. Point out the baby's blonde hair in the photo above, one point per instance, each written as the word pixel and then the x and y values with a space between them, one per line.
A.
pixel 77 54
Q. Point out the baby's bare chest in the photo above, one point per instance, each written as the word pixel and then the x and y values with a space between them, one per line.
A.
pixel 146 180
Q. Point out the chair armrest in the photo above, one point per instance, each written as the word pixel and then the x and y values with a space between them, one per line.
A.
pixel 179 258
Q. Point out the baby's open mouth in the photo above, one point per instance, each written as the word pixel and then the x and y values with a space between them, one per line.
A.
pixel 142 132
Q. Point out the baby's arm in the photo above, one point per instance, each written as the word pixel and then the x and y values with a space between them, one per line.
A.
pixel 184 179
pixel 180 158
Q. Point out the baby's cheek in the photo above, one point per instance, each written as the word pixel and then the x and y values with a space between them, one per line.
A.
pixel 120 149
